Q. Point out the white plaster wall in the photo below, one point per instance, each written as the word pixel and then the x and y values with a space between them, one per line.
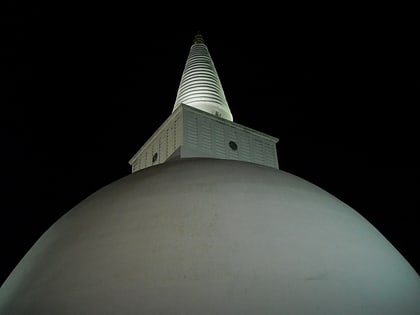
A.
pixel 206 135
pixel 164 142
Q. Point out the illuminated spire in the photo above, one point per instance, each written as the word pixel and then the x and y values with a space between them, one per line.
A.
pixel 200 85
pixel 201 125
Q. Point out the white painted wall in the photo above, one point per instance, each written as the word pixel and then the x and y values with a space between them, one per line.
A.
pixel 199 134
pixel 163 143
pixel 207 135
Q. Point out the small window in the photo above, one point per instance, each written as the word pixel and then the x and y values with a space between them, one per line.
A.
pixel 154 158
pixel 233 145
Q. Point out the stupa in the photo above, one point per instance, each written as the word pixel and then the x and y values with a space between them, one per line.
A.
pixel 208 224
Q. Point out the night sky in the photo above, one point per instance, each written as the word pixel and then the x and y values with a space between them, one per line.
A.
pixel 84 87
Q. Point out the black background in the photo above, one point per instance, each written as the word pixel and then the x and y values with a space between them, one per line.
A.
pixel 84 86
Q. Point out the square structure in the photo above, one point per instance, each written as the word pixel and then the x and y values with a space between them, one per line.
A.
pixel 189 132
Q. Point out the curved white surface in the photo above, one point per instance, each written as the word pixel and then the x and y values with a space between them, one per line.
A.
pixel 205 236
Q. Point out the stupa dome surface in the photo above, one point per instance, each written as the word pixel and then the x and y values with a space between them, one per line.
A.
pixel 208 236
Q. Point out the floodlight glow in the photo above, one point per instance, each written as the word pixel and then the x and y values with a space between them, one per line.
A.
pixel 200 85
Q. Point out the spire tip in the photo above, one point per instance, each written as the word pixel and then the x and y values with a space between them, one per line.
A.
pixel 198 38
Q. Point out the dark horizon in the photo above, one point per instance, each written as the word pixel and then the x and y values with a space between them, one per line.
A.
pixel 81 99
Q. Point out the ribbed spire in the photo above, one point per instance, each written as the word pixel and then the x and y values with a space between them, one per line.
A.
pixel 200 85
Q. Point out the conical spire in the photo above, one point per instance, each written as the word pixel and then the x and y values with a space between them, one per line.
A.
pixel 200 85
pixel 201 124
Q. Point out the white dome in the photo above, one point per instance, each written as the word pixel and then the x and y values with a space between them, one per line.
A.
pixel 206 236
